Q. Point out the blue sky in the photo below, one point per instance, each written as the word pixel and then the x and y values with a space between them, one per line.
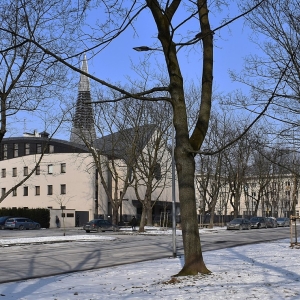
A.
pixel 114 62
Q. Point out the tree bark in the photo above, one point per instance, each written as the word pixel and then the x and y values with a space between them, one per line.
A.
pixel 194 262
pixel 149 214
pixel 185 146
pixel 143 221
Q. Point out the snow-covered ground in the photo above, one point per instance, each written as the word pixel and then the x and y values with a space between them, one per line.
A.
pixel 262 271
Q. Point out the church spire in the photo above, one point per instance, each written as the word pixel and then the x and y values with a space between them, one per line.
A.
pixel 83 121
pixel 84 83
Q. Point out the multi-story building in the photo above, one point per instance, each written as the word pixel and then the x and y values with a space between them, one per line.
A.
pixel 270 196
pixel 273 195
pixel 64 175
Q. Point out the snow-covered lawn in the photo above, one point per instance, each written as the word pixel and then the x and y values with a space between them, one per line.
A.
pixel 262 271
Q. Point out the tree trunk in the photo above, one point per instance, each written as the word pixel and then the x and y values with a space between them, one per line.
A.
pixel 186 146
pixel 143 220
pixel 237 198
pixel 212 217
pixel 115 215
pixel 194 262
pixel 149 214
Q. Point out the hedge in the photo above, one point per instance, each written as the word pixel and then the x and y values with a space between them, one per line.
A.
pixel 40 215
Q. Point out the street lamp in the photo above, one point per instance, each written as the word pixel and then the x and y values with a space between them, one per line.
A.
pixel 173 195
pixel 146 48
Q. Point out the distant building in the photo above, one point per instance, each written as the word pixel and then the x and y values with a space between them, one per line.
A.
pixel 66 180
pixel 267 196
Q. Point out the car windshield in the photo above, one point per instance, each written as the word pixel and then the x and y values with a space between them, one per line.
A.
pixel 2 218
pixel 236 221
pixel 254 219
pixel 280 219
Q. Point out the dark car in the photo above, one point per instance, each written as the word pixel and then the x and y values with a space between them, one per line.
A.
pixel 283 222
pixel 258 222
pixel 21 223
pixel 239 223
pixel 271 222
pixel 100 225
pixel 3 220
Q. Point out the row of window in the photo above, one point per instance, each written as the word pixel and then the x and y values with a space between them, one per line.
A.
pixel 37 170
pixel 274 184
pixel 38 150
pixel 63 190
pixel 287 193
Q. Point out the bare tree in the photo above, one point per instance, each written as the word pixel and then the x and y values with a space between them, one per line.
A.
pixel 152 170
pixel 276 33
pixel 188 141
pixel 31 80
pixel 211 177
pixel 113 159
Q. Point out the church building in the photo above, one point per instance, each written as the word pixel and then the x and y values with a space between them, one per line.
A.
pixel 64 178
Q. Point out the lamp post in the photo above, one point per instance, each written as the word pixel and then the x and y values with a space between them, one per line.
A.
pixel 173 196
pixel 143 49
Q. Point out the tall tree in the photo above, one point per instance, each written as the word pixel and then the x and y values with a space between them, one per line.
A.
pixel 188 140
pixel 31 80
pixel 276 34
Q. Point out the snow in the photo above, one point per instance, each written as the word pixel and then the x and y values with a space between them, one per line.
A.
pixel 258 271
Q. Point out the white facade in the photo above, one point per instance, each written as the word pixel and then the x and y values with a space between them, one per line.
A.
pixel 66 183
pixel 63 179
pixel 273 196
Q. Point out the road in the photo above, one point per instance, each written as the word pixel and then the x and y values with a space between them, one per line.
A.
pixel 21 262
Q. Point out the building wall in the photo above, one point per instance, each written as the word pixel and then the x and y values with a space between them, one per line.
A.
pixel 78 178
pixel 275 199
pixel 83 193
pixel 274 194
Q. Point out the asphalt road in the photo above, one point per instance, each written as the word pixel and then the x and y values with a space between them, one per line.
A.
pixel 21 262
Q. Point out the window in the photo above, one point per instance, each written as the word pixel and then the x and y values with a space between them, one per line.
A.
pixel 3 191
pixel 27 149
pixel 38 170
pixel 63 168
pixel 50 169
pixel 25 171
pixel 16 150
pixel 38 148
pixel 14 192
pixel 25 191
pixel 50 190
pixel 70 215
pixel 14 172
pixel 63 189
pixel 51 148
pixel 4 151
pixel 37 190
pixel 3 173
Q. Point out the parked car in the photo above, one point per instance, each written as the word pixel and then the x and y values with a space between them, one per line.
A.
pixel 21 223
pixel 239 223
pixel 283 222
pixel 100 225
pixel 271 222
pixel 258 222
pixel 2 221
